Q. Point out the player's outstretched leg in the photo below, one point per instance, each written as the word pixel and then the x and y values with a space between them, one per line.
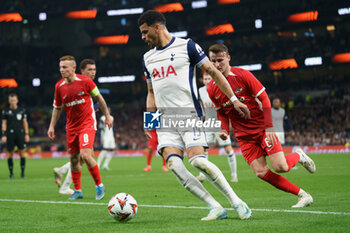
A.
pixel 101 156
pixel 148 168
pixel 59 172
pixel 108 159
pixel 306 161
pixel 164 167
pixel 78 194
pixel 190 183
pixel 10 165
pixel 65 187
pixel 231 158
pixel 216 177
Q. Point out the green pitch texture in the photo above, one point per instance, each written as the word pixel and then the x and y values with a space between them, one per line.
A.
pixel 329 186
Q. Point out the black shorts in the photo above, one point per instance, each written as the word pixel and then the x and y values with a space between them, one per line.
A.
pixel 15 139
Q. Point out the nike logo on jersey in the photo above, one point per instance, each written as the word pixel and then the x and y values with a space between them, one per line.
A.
pixel 81 93
pixel 84 144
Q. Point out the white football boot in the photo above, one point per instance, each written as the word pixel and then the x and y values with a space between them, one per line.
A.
pixel 306 161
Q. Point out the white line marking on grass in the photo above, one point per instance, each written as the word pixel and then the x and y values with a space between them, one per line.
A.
pixel 174 207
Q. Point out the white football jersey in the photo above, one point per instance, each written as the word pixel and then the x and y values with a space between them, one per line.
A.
pixel 172 72
pixel 106 133
pixel 277 119
pixel 209 107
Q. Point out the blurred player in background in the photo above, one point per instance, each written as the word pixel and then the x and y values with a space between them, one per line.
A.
pixel 87 68
pixel 169 67
pixel 256 136
pixel 73 92
pixel 213 137
pixel 15 132
pixel 151 150
pixel 108 143
pixel 278 118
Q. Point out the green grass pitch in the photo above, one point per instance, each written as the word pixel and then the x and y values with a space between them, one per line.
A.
pixel 329 186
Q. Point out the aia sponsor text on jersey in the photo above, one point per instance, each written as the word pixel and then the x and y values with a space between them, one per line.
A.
pixel 163 72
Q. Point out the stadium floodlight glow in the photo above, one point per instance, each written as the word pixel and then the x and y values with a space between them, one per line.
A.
pixel 344 11
pixel 87 14
pixel 131 11
pixel 8 83
pixel 258 23
pixel 36 82
pixel 228 1
pixel 303 17
pixel 120 39
pixel 283 64
pixel 117 79
pixel 313 61
pixel 252 67
pixel 169 7
pixel 341 58
pixel 199 4
pixel 220 29
pixel 11 17
pixel 42 16
pixel 182 34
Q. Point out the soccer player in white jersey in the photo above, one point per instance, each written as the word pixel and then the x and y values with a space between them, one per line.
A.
pixel 87 68
pixel 108 143
pixel 213 137
pixel 170 71
pixel 278 118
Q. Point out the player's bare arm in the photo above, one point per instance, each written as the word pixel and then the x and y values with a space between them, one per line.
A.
pixel 56 112
pixel 224 86
pixel 26 130
pixel 150 106
pixel 103 106
pixel 4 128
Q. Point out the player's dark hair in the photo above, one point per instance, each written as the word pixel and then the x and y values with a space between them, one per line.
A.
pixel 12 94
pixel 218 48
pixel 86 62
pixel 151 17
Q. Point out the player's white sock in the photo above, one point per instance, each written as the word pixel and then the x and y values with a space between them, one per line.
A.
pixel 109 156
pixel 67 181
pixel 65 168
pixel 216 177
pixel 100 157
pixel 231 157
pixel 185 178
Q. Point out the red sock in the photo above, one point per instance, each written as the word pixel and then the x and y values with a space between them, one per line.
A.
pixel 76 179
pixel 95 173
pixel 164 162
pixel 281 183
pixel 292 160
pixel 149 159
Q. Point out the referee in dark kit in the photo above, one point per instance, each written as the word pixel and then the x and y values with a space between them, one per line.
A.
pixel 15 131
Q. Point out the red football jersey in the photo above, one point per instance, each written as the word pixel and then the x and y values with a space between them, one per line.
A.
pixel 76 100
pixel 247 88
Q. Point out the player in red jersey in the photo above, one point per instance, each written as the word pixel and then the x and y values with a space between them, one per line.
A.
pixel 152 147
pixel 256 135
pixel 73 92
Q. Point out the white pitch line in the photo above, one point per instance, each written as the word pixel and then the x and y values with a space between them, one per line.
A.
pixel 174 207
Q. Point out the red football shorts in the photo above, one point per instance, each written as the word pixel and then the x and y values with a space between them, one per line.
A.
pixel 84 139
pixel 153 142
pixel 256 145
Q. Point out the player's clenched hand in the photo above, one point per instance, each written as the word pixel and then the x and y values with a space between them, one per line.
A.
pixel 223 135
pixel 147 134
pixel 242 109
pixel 109 122
pixel 51 133
pixel 271 136
pixel 26 138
